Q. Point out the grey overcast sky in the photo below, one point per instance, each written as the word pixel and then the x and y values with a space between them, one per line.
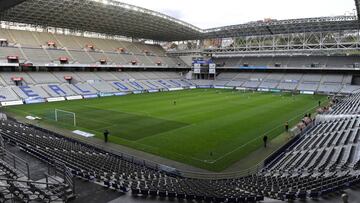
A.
pixel 215 13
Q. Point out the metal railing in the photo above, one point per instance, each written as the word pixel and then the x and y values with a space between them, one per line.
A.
pixel 58 169
pixel 17 163
pixel 21 167
pixel 22 184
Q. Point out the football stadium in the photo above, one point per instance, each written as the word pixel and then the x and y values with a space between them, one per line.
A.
pixel 102 101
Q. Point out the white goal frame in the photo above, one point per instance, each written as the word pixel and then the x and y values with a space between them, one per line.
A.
pixel 63 111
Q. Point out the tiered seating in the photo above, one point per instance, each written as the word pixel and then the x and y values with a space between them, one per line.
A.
pixel 254 80
pixel 271 81
pixel 43 78
pixel 239 80
pixel 220 83
pixel 80 57
pixel 323 160
pixel 10 51
pixel 106 76
pixel 25 92
pixel 116 58
pixel 332 83
pixel 15 187
pixel 349 105
pixel 290 61
pixel 290 82
pixel 61 90
pixel 7 77
pixel 7 94
pixel 117 172
pixel 103 87
pixel 45 85
pixel 36 55
pixel 310 83
pixel 83 89
pixel 203 82
pixel 34 46
pixel 61 76
pixel 329 146
pixel 88 76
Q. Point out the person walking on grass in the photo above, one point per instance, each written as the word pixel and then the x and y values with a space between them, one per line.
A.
pixel 106 135
pixel 265 139
pixel 287 126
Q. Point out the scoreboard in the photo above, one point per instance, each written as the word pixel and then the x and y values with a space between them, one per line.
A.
pixel 208 69
pixel 197 68
pixel 212 68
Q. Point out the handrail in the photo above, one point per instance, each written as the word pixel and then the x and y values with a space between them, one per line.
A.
pixel 17 163
pixel 24 183
pixel 67 175
pixel 28 182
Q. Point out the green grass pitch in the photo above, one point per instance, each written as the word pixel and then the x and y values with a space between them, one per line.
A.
pixel 207 128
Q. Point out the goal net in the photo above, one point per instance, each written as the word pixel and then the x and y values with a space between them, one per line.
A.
pixel 65 117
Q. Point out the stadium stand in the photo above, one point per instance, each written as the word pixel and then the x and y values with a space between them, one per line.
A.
pixel 63 63
pixel 323 160
pixel 289 61
pixel 347 106
pixel 32 47
pixel 58 90
pixel 16 185
pixel 7 94
pixel 29 87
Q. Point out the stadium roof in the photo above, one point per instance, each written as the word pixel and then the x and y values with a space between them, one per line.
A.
pixel 101 16
pixel 115 18
pixel 324 24
pixel 357 4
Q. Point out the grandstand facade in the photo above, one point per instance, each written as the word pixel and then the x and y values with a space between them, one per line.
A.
pixel 46 56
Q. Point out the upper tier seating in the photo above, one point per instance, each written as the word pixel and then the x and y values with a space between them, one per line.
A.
pixel 33 47
pixel 325 83
pixel 291 61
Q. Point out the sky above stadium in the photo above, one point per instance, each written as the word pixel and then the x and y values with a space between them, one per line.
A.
pixel 211 13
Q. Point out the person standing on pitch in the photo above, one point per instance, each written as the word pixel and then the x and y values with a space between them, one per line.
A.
pixel 106 135
pixel 265 139
pixel 287 126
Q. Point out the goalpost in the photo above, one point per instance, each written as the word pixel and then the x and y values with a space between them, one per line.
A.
pixel 64 115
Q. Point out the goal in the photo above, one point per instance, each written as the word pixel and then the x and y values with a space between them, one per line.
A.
pixel 66 117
